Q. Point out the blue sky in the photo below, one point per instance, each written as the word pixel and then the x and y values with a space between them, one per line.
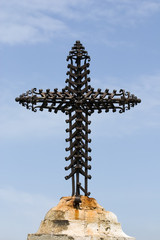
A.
pixel 122 37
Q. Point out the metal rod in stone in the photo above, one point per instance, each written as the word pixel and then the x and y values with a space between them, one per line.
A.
pixel 78 100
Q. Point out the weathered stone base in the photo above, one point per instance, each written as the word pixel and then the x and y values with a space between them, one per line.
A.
pixel 89 222
pixel 65 237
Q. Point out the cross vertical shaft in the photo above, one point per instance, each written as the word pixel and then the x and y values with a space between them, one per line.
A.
pixel 78 119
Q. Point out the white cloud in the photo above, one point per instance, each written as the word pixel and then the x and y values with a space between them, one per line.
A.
pixel 125 12
pixel 20 24
pixel 31 21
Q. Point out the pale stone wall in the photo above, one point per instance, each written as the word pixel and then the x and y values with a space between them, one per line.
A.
pixel 89 222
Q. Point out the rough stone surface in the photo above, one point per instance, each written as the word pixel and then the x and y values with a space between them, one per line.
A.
pixel 89 222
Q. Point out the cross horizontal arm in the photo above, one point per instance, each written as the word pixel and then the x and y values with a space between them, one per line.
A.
pixel 120 104
pixel 105 101
pixel 89 102
pixel 50 100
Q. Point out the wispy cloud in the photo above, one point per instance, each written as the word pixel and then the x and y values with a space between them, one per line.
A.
pixel 27 21
pixel 125 12
pixel 31 21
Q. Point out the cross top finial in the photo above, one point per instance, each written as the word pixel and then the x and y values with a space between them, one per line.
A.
pixel 78 100
pixel 78 53
pixel 78 70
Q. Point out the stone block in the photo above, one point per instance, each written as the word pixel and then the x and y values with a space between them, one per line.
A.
pixel 89 222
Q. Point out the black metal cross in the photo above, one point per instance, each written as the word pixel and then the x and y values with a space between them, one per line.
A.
pixel 78 100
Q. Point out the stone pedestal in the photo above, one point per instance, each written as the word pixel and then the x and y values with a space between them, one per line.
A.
pixel 89 222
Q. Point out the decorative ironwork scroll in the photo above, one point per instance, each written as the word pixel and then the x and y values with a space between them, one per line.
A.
pixel 78 100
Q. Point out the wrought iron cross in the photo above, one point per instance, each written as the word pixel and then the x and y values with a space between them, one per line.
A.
pixel 78 100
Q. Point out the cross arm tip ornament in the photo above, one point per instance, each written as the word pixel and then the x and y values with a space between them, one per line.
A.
pixel 78 100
